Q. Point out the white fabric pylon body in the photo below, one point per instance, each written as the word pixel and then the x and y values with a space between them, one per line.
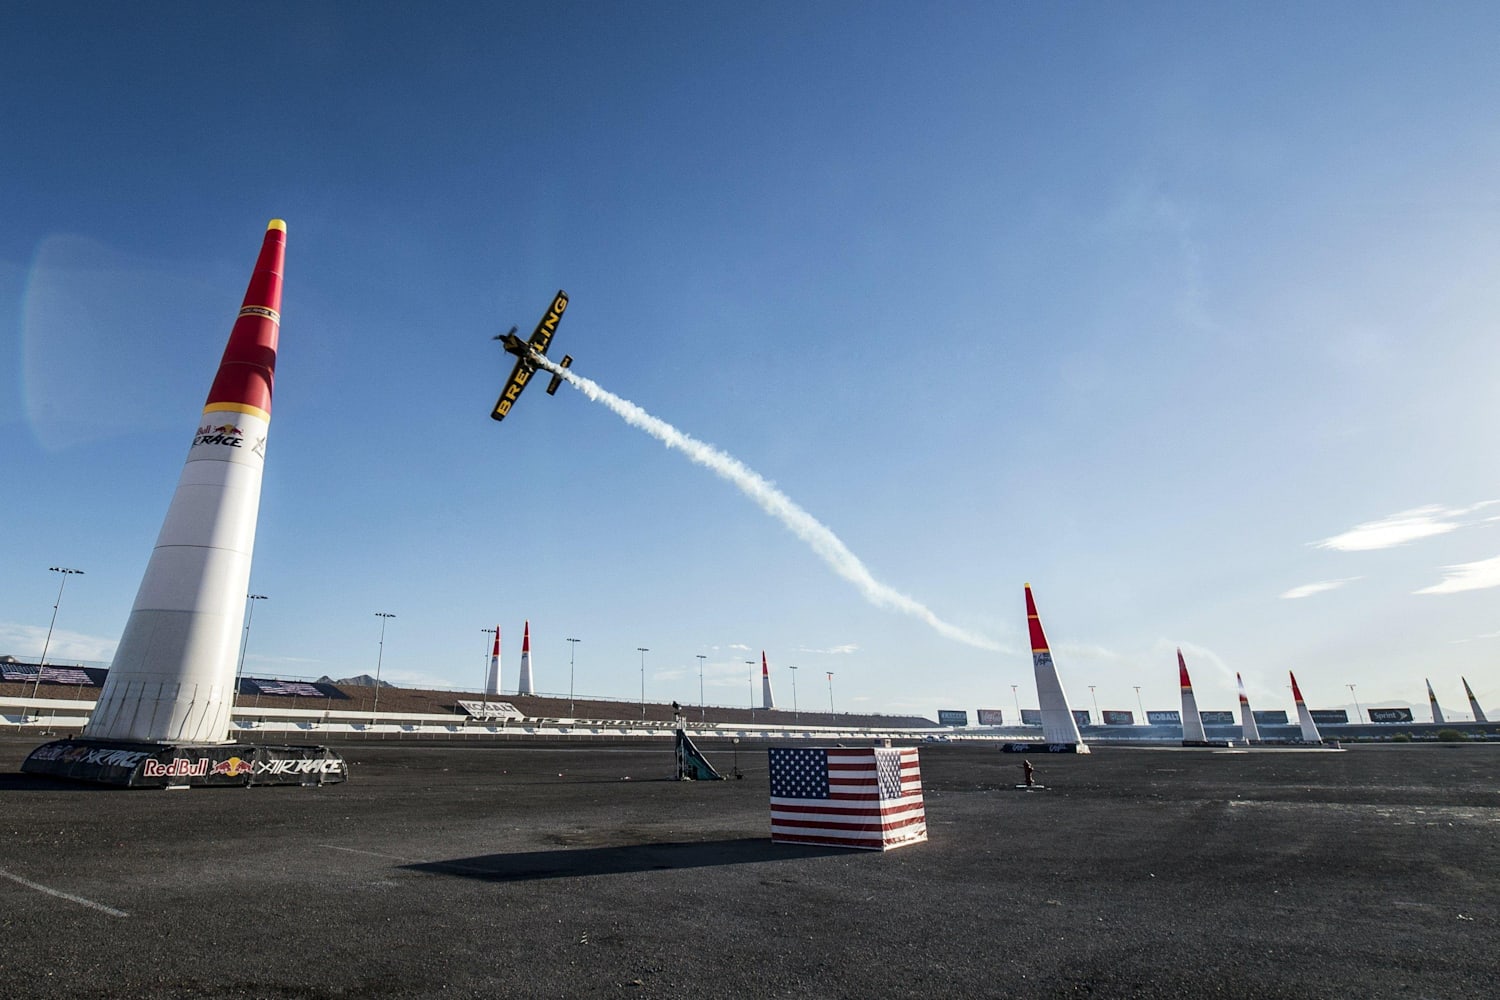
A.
pixel 1192 722
pixel 172 678
pixel 526 686
pixel 492 682
pixel 767 699
pixel 1437 710
pixel 1058 725
pixel 1473 702
pixel 1249 731
pixel 1310 732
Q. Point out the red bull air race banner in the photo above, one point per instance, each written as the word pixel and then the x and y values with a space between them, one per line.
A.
pixel 151 765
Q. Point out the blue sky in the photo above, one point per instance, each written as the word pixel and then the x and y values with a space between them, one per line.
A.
pixel 1182 313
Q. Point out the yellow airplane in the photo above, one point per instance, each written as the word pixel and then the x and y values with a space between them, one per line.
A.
pixel 529 355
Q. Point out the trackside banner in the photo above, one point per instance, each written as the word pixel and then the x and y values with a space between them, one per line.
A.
pixel 151 765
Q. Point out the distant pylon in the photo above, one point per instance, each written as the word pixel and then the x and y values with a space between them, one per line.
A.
pixel 1249 731
pixel 526 686
pixel 1437 710
pixel 1474 703
pixel 1192 722
pixel 492 682
pixel 767 699
pixel 1059 728
pixel 1310 732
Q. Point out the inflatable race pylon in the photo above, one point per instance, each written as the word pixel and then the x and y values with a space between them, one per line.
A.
pixel 1437 710
pixel 164 714
pixel 492 682
pixel 1059 728
pixel 1249 731
pixel 768 700
pixel 1473 703
pixel 1310 732
pixel 1192 722
pixel 526 686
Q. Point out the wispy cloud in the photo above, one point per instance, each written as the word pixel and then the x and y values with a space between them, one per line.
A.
pixel 26 642
pixel 1399 529
pixel 842 650
pixel 1309 589
pixel 1480 575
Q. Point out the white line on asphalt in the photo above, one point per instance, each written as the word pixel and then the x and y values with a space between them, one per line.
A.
pixel 64 895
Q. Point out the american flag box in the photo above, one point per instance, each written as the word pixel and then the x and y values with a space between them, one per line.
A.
pixel 865 797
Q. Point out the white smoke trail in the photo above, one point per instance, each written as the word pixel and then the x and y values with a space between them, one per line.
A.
pixel 819 538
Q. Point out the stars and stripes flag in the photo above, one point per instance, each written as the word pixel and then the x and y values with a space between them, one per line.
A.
pixel 867 797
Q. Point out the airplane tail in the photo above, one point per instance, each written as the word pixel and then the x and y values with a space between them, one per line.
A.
pixel 557 380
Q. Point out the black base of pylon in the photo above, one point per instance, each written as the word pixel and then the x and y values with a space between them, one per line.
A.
pixel 128 764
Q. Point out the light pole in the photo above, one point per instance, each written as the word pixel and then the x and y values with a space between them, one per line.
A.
pixel 1358 712
pixel 42 664
pixel 702 707
pixel 1016 694
pixel 572 652
pixel 1140 704
pixel 384 617
pixel 1094 696
pixel 484 673
pixel 249 617
pixel 751 665
pixel 830 693
pixel 795 716
pixel 643 651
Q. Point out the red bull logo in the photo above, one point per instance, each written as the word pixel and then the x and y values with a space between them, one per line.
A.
pixel 225 434
pixel 178 767
pixel 234 767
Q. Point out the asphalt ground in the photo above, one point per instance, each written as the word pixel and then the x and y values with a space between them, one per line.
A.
pixel 563 870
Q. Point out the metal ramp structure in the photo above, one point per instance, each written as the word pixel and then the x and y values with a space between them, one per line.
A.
pixel 691 764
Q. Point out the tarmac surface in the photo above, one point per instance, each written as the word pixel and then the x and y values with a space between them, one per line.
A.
pixel 552 870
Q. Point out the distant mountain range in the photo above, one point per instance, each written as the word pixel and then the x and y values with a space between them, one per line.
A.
pixel 363 680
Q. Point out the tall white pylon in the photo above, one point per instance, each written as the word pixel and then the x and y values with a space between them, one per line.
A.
pixel 1059 728
pixel 1310 732
pixel 1473 703
pixel 1192 722
pixel 172 679
pixel 492 682
pixel 1437 710
pixel 526 686
pixel 767 700
pixel 1249 731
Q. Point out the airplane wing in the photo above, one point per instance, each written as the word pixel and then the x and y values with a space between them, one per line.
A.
pixel 519 376
pixel 542 337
